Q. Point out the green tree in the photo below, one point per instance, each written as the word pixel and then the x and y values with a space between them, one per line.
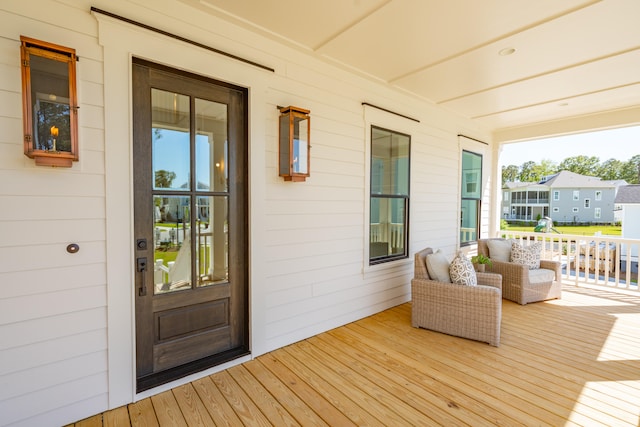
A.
pixel 631 170
pixel 510 173
pixel 545 168
pixel 527 172
pixel 583 165
pixel 611 169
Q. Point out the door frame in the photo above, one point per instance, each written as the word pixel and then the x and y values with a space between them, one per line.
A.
pixel 121 42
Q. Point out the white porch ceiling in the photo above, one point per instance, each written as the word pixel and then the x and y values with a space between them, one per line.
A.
pixel 573 58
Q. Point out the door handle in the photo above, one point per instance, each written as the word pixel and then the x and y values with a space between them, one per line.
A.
pixel 141 267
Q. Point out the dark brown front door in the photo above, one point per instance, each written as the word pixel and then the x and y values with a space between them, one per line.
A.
pixel 190 191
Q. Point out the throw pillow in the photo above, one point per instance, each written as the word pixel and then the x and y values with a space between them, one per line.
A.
pixel 462 272
pixel 526 255
pixel 500 249
pixel 438 267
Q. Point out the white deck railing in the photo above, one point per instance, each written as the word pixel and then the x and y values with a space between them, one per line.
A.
pixel 596 260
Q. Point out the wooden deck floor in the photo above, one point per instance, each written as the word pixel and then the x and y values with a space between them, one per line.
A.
pixel 575 361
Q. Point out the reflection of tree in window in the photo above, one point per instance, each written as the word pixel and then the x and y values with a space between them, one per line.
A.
pixel 164 178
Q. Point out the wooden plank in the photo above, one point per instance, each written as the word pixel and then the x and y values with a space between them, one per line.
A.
pixel 454 403
pixel 291 402
pixel 244 407
pixel 322 380
pixel 191 406
pixel 441 362
pixel 142 414
pixel 216 405
pixel 525 383
pixel 567 362
pixel 95 421
pixel 167 410
pixel 395 408
pixel 307 394
pixel 118 417
pixel 270 407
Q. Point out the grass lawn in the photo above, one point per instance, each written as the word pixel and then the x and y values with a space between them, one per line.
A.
pixel 590 230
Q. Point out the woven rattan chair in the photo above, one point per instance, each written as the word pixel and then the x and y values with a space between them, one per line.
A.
pixel 472 312
pixel 519 284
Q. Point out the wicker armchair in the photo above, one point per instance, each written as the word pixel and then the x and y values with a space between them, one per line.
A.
pixel 472 312
pixel 521 285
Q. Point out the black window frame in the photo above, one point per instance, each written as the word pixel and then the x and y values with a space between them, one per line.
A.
pixel 380 259
pixel 464 198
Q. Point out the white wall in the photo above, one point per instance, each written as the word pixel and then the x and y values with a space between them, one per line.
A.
pixel 66 321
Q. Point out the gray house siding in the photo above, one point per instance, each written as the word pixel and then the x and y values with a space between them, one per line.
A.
pixel 572 198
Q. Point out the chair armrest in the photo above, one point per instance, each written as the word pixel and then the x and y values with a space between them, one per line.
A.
pixel 490 279
pixel 552 265
pixel 454 291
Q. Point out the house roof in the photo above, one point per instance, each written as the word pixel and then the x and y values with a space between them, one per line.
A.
pixel 567 179
pixel 628 194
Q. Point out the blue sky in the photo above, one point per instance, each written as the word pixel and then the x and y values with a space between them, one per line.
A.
pixel 620 144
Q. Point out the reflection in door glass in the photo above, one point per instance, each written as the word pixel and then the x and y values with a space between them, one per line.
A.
pixel 172 243
pixel 213 240
pixel 170 137
pixel 211 146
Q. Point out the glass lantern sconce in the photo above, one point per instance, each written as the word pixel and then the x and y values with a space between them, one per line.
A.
pixel 49 103
pixel 295 126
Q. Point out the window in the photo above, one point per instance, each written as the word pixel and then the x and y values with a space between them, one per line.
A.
pixel 575 210
pixel 556 210
pixel 49 104
pixel 576 194
pixel 471 197
pixel 596 213
pixel 587 203
pixel 556 195
pixel 389 199
pixel 598 195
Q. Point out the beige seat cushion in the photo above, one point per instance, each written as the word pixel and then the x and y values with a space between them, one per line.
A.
pixel 541 275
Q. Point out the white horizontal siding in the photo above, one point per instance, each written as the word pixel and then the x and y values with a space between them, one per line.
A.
pixel 308 240
pixel 53 305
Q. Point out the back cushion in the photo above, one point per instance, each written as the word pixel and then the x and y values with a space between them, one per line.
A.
pixel 500 249
pixel 438 267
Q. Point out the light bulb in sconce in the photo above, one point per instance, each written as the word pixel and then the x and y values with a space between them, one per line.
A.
pixel 218 165
pixel 54 135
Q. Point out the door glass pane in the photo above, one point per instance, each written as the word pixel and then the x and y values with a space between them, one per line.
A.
pixel 172 243
pixel 170 140
pixel 212 243
pixel 211 146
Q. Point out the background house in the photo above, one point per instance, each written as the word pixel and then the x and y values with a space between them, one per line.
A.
pixel 565 197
